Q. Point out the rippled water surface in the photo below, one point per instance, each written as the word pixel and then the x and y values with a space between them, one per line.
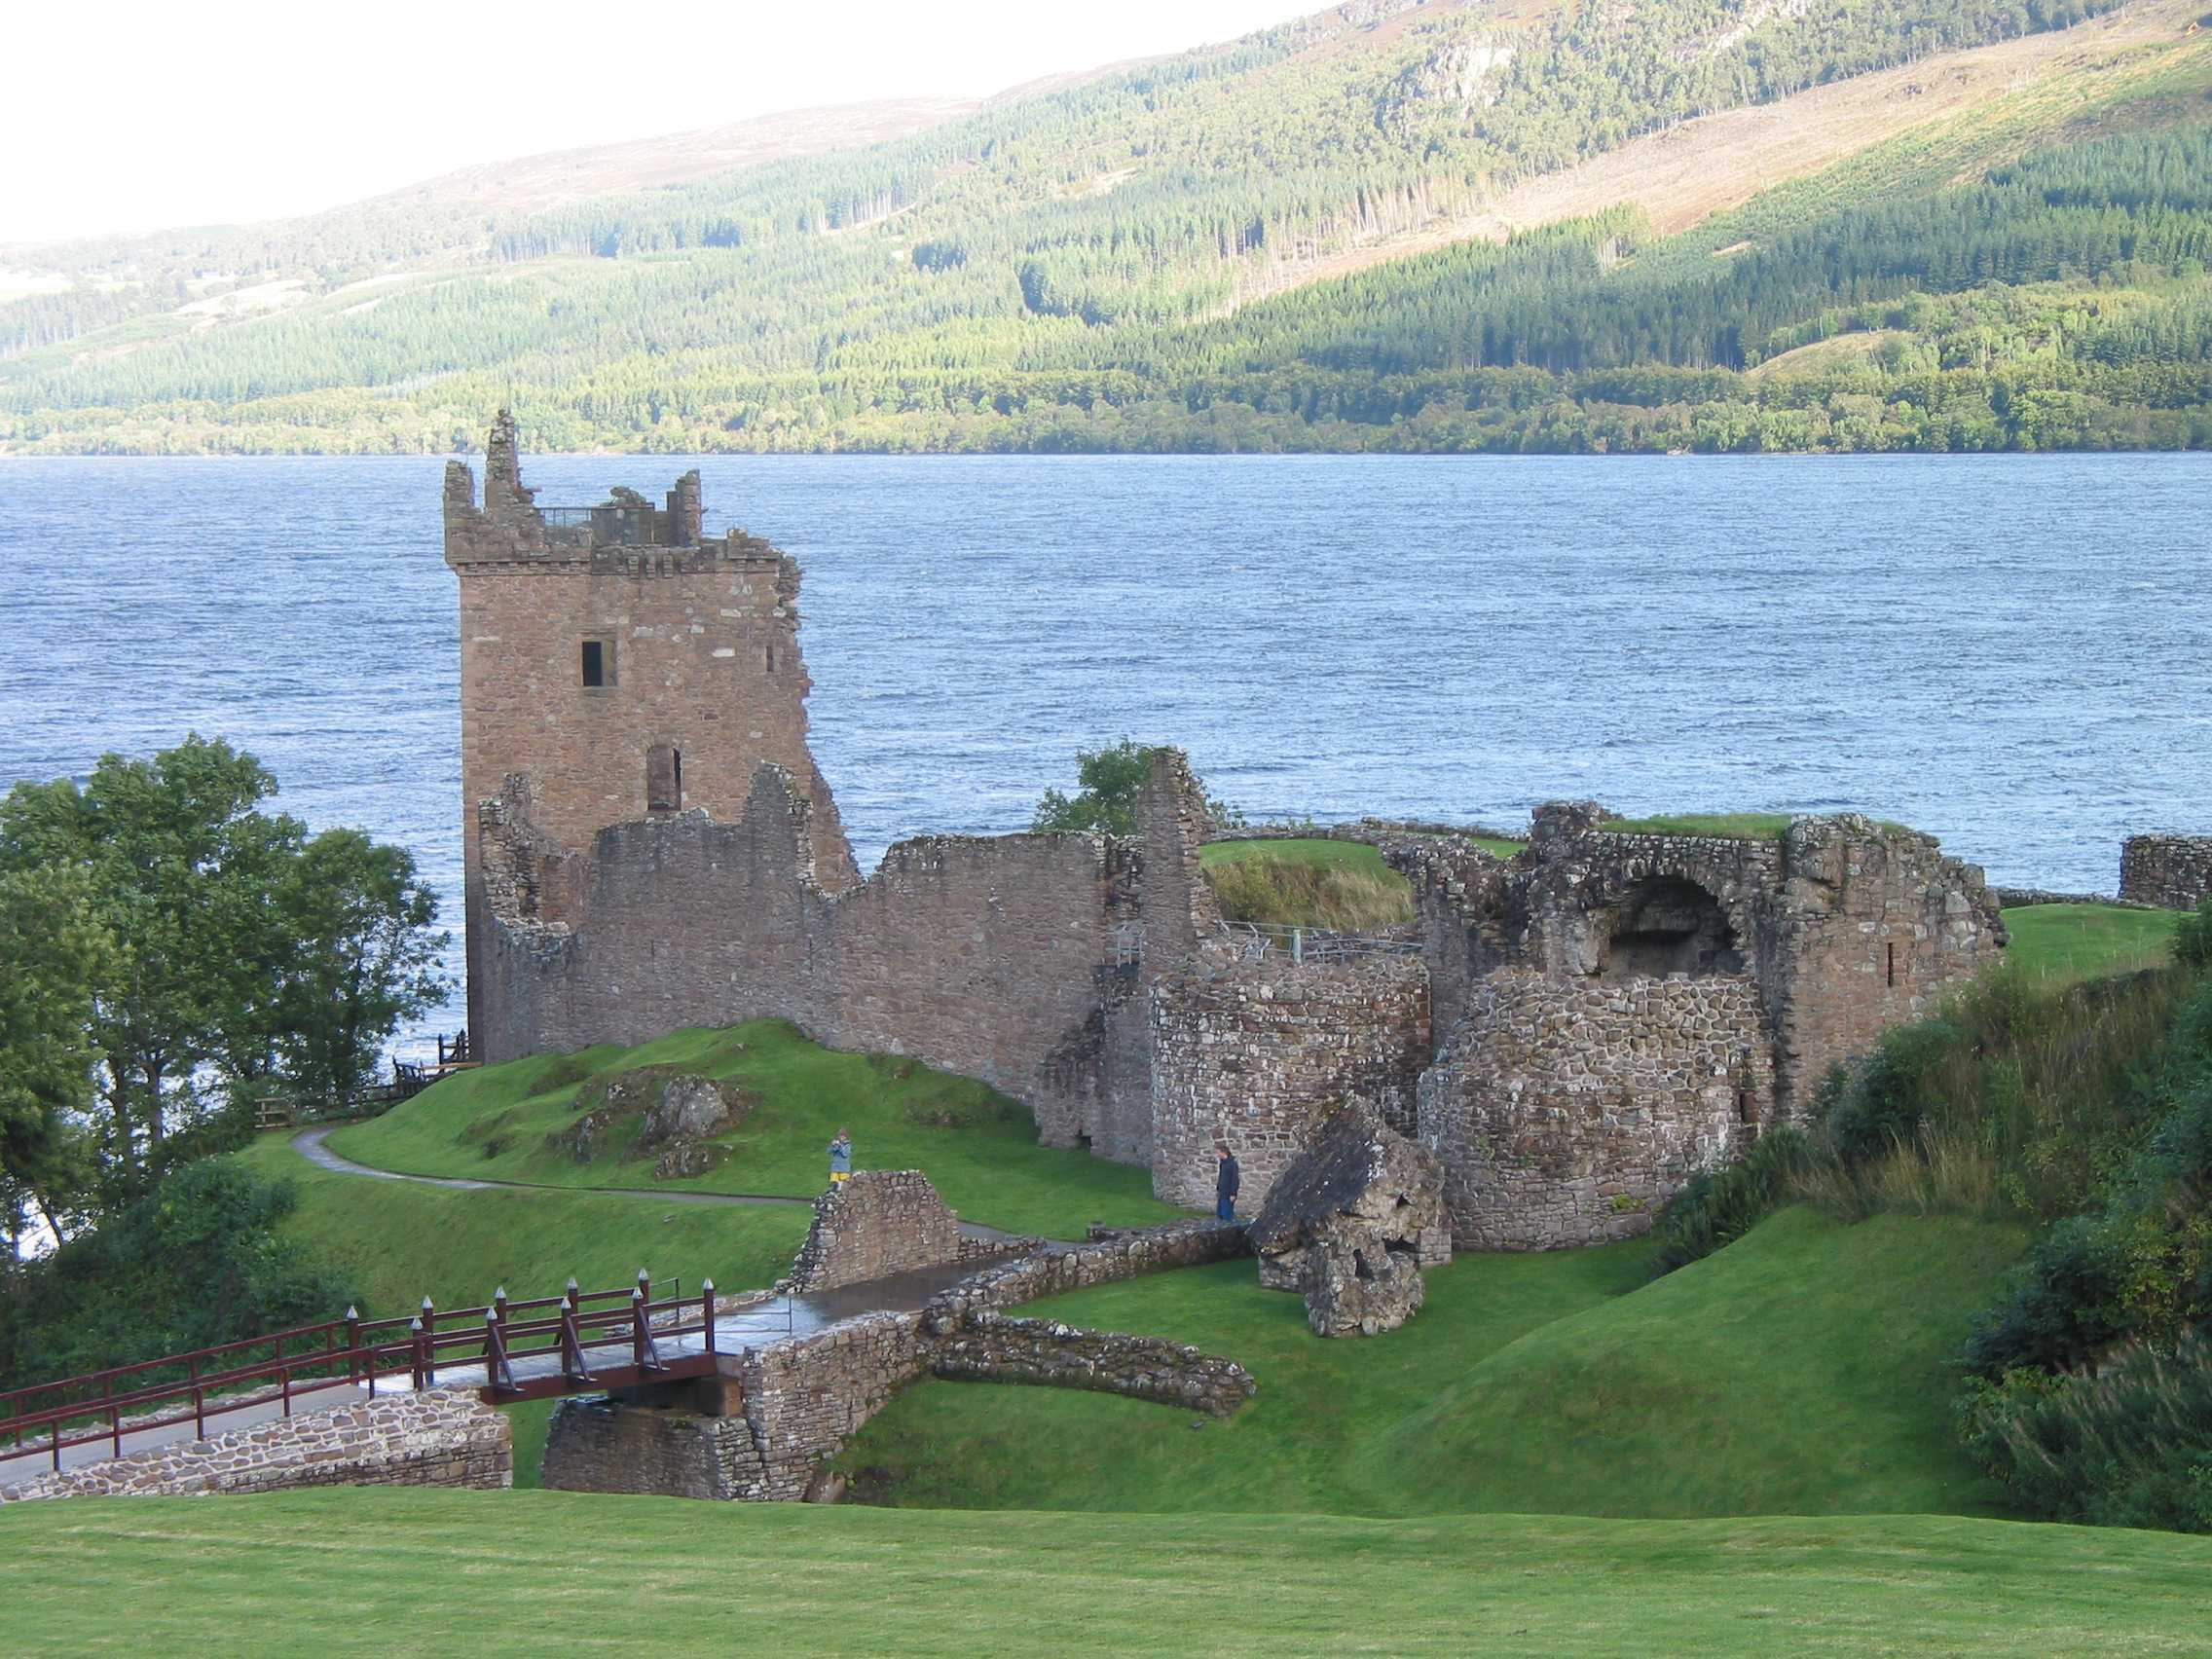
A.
pixel 2007 651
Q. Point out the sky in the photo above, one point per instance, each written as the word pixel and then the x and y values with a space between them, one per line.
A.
pixel 146 115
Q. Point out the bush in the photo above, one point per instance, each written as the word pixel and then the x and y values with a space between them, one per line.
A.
pixel 2137 1270
pixel 196 1261
pixel 2130 1446
pixel 2192 936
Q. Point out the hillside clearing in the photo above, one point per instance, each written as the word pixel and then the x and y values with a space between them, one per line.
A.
pixel 1685 174
pixel 400 1241
pixel 2060 943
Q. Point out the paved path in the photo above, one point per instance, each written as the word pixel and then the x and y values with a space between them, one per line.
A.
pixel 308 1143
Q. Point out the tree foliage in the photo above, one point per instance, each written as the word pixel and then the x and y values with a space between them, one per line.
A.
pixel 197 951
pixel 1105 800
pixel 196 1261
pixel 1078 271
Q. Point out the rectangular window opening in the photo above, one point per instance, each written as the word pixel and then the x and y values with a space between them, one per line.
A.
pixel 1893 964
pixel 664 779
pixel 596 665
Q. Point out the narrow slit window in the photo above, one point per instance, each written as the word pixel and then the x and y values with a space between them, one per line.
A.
pixel 1893 964
pixel 596 665
pixel 664 779
pixel 768 659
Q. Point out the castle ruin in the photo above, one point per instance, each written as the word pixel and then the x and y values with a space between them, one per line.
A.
pixel 1575 1031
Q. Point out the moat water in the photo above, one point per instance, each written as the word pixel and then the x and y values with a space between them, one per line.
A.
pixel 2012 653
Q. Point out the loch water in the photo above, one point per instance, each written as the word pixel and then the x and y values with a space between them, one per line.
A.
pixel 2012 653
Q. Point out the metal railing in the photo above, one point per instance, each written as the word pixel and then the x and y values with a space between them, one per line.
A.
pixel 597 1338
pixel 1256 940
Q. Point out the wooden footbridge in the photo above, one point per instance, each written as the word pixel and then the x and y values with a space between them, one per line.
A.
pixel 577 1342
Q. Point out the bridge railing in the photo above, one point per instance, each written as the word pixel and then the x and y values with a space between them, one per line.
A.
pixel 574 1331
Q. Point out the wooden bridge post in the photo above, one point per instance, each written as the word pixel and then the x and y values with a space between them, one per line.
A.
pixel 353 1347
pixel 421 1352
pixel 707 1313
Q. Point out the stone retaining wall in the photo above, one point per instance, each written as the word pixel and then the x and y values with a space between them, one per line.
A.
pixel 2171 871
pixel 879 1223
pixel 443 1437
pixel 1111 1254
pixel 793 1404
pixel 990 1348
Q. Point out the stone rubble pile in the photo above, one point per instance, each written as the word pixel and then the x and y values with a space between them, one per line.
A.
pixel 1350 1222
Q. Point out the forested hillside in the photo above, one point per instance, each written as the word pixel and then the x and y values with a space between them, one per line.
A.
pixel 1132 264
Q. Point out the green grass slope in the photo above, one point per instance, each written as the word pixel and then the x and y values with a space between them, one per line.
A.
pixel 400 1240
pixel 336 1574
pixel 2058 944
pixel 977 1146
pixel 1801 1370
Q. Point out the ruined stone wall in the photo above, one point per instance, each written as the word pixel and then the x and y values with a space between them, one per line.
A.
pixel 1111 1254
pixel 1252 1053
pixel 1567 1113
pixel 1047 1354
pixel 879 1223
pixel 1027 961
pixel 2171 871
pixel 444 1437
pixel 800 1400
pixel 701 677
pixel 1872 927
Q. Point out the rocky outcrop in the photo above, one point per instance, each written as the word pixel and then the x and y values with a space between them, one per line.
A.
pixel 1351 1222
pixel 690 1107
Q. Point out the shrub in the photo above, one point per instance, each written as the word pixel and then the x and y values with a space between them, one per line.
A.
pixel 2192 936
pixel 198 1261
pixel 2130 1446
pixel 1286 893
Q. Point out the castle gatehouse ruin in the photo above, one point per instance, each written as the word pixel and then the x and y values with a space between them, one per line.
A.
pixel 1573 1030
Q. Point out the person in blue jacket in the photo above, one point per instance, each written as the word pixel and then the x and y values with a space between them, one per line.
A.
pixel 1225 1180
pixel 840 1158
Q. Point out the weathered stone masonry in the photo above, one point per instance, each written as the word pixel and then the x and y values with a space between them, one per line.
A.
pixel 1582 1026
pixel 2171 871
pixel 442 1437
pixel 762 1433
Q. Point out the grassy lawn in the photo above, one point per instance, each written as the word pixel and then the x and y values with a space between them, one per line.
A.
pixel 378 1574
pixel 1730 826
pixel 2056 945
pixel 494 1123
pixel 1323 850
pixel 1799 1371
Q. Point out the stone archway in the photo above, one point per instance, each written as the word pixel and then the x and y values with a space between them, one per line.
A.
pixel 1663 926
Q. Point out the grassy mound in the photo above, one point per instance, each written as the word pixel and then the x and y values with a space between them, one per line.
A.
pixel 2057 945
pixel 400 1240
pixel 375 1572
pixel 1799 1371
pixel 504 1123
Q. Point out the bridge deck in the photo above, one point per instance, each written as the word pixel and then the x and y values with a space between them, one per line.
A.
pixel 608 1362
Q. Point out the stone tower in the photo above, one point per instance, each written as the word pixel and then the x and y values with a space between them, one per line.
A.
pixel 616 665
